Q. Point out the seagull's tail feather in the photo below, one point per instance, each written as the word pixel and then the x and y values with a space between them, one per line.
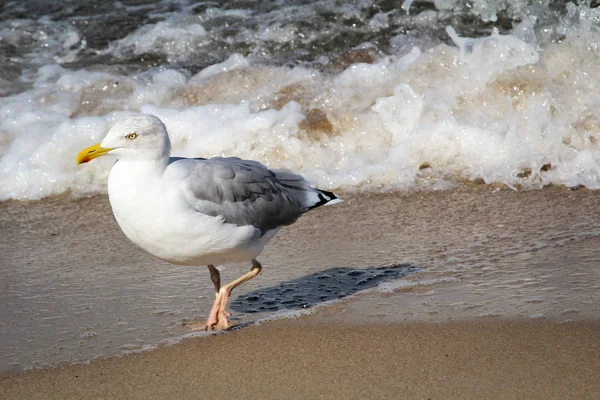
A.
pixel 309 196
pixel 324 198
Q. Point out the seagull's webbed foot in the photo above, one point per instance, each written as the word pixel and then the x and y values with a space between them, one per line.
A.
pixel 197 326
pixel 219 324
pixel 212 322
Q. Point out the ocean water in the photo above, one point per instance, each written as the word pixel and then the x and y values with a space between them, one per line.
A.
pixel 362 95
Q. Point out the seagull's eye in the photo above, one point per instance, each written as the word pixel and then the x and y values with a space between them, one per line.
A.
pixel 132 136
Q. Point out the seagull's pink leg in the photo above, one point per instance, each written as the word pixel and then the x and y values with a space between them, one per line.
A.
pixel 212 320
pixel 217 319
pixel 215 277
pixel 225 292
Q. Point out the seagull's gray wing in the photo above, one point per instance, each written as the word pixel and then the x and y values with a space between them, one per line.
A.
pixel 245 192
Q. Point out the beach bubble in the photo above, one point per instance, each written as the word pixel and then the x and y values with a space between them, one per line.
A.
pixel 89 335
pixel 177 38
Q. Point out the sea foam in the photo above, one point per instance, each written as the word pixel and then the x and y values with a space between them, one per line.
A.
pixel 516 108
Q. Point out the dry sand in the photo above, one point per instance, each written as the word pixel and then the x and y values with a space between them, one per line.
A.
pixel 302 359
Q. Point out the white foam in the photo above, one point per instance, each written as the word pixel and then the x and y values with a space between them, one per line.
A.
pixel 391 287
pixel 176 37
pixel 537 315
pixel 502 108
pixel 46 40
pixel 235 62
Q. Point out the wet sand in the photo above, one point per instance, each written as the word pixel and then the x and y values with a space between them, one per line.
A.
pixel 505 303
pixel 300 359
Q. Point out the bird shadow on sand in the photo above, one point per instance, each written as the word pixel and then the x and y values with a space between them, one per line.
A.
pixel 310 290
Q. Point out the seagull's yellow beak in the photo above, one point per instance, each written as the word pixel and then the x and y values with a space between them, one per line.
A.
pixel 92 152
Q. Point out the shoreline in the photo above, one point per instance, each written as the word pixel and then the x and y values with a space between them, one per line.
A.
pixel 507 286
pixel 304 358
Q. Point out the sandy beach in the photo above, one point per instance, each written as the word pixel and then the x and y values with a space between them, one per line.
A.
pixel 300 359
pixel 475 321
pixel 499 300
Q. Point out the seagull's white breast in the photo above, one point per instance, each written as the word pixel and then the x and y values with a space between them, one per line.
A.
pixel 152 212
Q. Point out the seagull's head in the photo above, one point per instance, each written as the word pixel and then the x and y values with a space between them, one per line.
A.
pixel 134 137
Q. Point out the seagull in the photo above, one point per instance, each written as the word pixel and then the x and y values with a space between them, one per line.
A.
pixel 198 211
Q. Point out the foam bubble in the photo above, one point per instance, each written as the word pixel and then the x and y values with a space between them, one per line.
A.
pixel 391 287
pixel 177 37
